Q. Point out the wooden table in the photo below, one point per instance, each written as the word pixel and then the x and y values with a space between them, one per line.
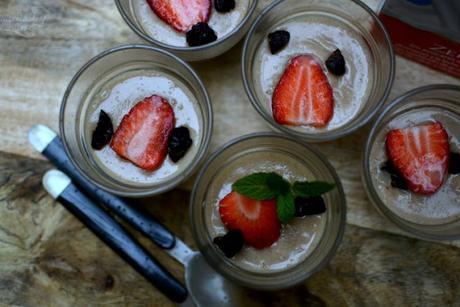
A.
pixel 47 258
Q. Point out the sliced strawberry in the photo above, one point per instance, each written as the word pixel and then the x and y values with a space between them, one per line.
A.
pixel 421 155
pixel 142 136
pixel 303 95
pixel 257 220
pixel 181 14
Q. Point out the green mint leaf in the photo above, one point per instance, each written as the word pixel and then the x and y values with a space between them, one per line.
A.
pixel 256 186
pixel 285 207
pixel 278 184
pixel 312 188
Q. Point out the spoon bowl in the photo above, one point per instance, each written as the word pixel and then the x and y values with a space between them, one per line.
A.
pixel 206 287
pixel 209 288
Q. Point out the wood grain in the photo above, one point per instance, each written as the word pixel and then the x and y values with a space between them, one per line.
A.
pixel 48 258
pixel 43 43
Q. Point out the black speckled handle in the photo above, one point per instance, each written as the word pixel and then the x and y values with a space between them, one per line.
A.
pixel 139 219
pixel 111 232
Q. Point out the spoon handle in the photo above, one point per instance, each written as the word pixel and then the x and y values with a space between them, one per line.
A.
pixel 50 145
pixel 113 234
pixel 140 219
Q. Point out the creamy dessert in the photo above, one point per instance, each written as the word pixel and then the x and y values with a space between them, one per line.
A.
pixel 265 230
pixel 143 126
pixel 315 72
pixel 415 159
pixel 169 21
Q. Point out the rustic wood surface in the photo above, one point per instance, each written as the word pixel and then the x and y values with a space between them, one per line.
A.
pixel 47 258
pixel 44 42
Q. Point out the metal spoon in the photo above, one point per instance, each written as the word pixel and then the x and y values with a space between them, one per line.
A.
pixel 206 287
pixel 114 235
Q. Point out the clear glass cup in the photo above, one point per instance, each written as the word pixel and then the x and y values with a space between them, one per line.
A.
pixel 356 16
pixel 438 102
pixel 250 147
pixel 91 78
pixel 208 51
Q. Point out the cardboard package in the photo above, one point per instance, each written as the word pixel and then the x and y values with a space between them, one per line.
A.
pixel 425 31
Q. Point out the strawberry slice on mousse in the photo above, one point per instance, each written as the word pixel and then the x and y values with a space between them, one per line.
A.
pixel 421 156
pixel 303 95
pixel 142 136
pixel 256 219
pixel 181 14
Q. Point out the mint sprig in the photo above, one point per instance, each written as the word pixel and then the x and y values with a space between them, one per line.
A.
pixel 311 188
pixel 259 186
pixel 278 184
pixel 285 207
pixel 265 186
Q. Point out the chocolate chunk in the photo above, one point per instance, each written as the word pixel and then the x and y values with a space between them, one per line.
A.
pixel 397 181
pixel 200 34
pixel 335 63
pixel 224 6
pixel 278 40
pixel 309 206
pixel 179 143
pixel 230 243
pixel 103 132
pixel 454 163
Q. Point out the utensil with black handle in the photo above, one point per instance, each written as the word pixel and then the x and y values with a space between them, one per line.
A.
pixel 206 287
pixel 48 143
pixel 60 187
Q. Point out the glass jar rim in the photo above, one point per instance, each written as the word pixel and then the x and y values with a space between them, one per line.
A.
pixel 406 225
pixel 173 48
pixel 188 171
pixel 328 135
pixel 340 218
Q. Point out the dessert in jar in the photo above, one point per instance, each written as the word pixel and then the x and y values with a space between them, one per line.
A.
pixel 189 23
pixel 317 70
pixel 144 127
pixel 260 218
pixel 267 211
pixel 314 72
pixel 411 162
pixel 416 164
